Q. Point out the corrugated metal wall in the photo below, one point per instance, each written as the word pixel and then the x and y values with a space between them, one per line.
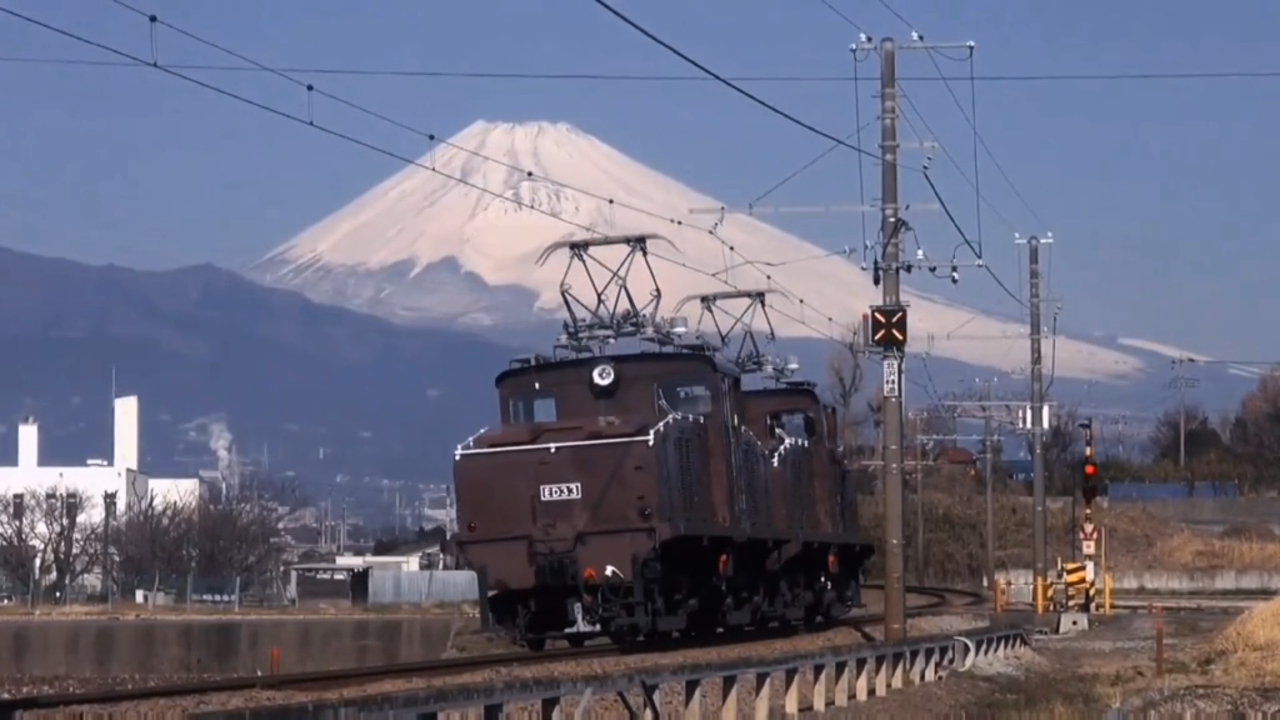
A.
pixel 422 587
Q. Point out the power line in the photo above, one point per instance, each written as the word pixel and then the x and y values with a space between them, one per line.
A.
pixel 979 140
pixel 310 122
pixel 842 16
pixel 971 118
pixel 818 158
pixel 649 77
pixel 729 83
pixel 896 14
pixel 964 238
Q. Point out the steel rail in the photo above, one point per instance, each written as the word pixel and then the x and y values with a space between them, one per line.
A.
pixel 941 600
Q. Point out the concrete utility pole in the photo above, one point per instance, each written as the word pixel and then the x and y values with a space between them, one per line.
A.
pixel 1180 383
pixel 989 472
pixel 889 269
pixel 1039 534
pixel 895 596
pixel 342 531
pixel 920 577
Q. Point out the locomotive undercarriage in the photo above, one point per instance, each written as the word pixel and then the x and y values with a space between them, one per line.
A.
pixel 688 586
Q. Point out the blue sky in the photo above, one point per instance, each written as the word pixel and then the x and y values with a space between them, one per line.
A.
pixel 1158 191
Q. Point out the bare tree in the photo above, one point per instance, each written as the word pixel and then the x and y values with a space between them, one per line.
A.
pixel 49 539
pixel 1201 441
pixel 1255 434
pixel 152 543
pixel 17 554
pixel 240 535
pixel 846 377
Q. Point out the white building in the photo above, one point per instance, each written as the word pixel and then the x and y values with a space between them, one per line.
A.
pixel 175 491
pixel 402 563
pixel 93 480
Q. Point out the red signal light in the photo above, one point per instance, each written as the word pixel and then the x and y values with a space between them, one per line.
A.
pixel 1090 469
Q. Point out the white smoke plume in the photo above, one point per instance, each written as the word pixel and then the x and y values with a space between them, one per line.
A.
pixel 220 443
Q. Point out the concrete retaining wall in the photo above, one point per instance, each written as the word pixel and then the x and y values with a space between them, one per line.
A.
pixel 1207 582
pixel 1195 511
pixel 175 647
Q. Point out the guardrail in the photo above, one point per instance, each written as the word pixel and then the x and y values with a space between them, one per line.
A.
pixel 853 673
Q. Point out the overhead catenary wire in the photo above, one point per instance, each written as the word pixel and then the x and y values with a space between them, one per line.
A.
pixel 937 195
pixel 672 49
pixel 968 243
pixel 979 199
pixel 310 122
pixel 895 13
pixel 729 83
pixel 411 73
pixel 970 117
pixel 800 170
pixel 841 15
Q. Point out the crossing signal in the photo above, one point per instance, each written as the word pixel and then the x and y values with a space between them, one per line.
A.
pixel 889 327
pixel 1090 486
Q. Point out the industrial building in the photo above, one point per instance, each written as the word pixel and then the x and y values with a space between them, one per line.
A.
pixel 94 481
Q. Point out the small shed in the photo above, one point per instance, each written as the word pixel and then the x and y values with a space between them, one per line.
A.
pixel 329 583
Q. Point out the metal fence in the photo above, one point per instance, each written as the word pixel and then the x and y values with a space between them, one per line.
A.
pixel 1139 491
pixel 422 587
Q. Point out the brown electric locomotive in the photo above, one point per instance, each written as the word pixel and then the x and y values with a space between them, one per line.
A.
pixel 637 494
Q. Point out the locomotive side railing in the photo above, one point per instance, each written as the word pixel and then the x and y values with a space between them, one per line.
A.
pixel 788 442
pixel 836 676
pixel 467 447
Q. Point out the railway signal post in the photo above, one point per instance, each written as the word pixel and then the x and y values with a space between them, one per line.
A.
pixel 1089 533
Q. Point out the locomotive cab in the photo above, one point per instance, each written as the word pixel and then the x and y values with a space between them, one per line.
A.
pixel 819 511
pixel 597 460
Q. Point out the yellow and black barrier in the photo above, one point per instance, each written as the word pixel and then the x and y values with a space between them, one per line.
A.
pixel 1077 582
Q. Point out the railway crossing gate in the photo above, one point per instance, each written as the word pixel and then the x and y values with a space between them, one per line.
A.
pixel 1079 579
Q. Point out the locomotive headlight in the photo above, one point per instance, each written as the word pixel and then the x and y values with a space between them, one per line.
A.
pixel 603 376
pixel 604 379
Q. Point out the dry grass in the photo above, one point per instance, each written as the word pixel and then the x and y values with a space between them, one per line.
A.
pixel 1137 539
pixel 1247 652
pixel 1194 551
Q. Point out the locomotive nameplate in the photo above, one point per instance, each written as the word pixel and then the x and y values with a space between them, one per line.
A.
pixel 561 491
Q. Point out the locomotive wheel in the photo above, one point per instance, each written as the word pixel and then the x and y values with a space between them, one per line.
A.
pixel 536 644
pixel 576 641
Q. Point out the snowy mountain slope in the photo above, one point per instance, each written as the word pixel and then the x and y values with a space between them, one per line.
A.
pixel 420 247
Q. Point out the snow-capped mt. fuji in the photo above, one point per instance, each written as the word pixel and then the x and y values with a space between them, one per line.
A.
pixel 422 247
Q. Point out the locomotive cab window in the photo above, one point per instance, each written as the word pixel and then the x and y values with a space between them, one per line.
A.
pixel 526 409
pixel 795 424
pixel 687 398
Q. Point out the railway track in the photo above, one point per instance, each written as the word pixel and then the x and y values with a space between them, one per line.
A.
pixel 939 600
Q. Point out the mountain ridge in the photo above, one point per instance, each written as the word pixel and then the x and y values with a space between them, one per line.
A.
pixel 393 249
pixel 326 390
pixel 309 380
